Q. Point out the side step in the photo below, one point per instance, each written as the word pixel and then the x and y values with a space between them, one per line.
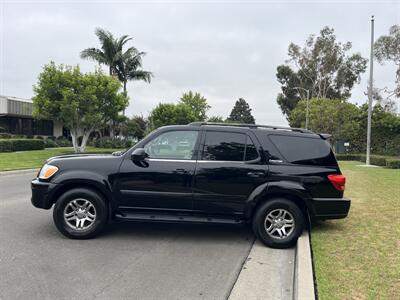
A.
pixel 175 218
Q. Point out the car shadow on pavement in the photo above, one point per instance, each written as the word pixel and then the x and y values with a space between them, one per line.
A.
pixel 189 232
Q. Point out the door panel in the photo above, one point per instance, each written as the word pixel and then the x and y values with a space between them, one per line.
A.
pixel 164 179
pixel 229 170
pixel 158 184
pixel 224 187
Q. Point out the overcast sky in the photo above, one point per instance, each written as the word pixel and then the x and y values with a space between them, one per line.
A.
pixel 222 49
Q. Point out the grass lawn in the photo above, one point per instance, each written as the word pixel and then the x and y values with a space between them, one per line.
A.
pixel 359 257
pixel 36 158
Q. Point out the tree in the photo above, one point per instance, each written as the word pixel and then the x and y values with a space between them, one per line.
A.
pixel 385 131
pixel 348 122
pixel 124 65
pixel 82 102
pixel 387 48
pixel 111 50
pixel 121 125
pixel 129 67
pixel 171 114
pixel 241 113
pixel 137 126
pixel 216 119
pixel 333 116
pixel 197 103
pixel 323 67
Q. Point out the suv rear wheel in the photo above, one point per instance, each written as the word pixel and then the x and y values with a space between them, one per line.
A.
pixel 278 223
pixel 80 213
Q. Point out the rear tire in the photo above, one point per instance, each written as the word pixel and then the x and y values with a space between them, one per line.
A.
pixel 80 213
pixel 278 223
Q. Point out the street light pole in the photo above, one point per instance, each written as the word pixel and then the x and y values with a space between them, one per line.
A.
pixel 307 109
pixel 371 75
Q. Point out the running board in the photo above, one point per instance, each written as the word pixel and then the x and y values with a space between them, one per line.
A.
pixel 175 218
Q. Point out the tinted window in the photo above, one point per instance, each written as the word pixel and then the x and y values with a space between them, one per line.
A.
pixel 172 145
pixel 269 149
pixel 251 151
pixel 304 150
pixel 227 146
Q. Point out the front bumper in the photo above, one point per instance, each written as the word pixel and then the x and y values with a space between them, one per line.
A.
pixel 41 193
pixel 330 208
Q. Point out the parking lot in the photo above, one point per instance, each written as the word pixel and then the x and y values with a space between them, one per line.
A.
pixel 129 261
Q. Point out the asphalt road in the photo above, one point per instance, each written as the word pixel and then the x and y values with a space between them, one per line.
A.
pixel 129 261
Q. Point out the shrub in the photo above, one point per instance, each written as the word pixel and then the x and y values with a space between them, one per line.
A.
pixel 27 144
pixel 393 163
pixel 18 136
pixel 377 160
pixel 8 145
pixel 107 142
pixel 49 143
pixel 5 135
pixel 63 142
pixel 348 157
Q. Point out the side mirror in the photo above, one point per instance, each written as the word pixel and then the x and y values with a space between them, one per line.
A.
pixel 139 155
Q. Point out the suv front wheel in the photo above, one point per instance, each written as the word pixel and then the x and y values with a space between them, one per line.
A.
pixel 278 223
pixel 80 213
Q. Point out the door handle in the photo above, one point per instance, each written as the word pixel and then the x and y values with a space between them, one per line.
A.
pixel 255 174
pixel 180 171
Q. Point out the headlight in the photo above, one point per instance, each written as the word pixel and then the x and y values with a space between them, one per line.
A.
pixel 47 171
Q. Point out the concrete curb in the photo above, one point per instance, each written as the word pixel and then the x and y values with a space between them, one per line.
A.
pixel 17 172
pixel 304 288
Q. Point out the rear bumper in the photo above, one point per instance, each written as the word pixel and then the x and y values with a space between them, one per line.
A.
pixel 41 193
pixel 330 208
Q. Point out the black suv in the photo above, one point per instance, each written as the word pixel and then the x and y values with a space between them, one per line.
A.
pixel 276 178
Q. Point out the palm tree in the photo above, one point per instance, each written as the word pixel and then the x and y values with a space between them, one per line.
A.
pixel 129 67
pixel 110 52
pixel 122 65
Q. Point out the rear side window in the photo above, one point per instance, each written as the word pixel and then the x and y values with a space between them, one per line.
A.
pixel 251 150
pixel 304 150
pixel 228 146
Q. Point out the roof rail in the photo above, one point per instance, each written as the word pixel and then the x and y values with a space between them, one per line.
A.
pixel 251 126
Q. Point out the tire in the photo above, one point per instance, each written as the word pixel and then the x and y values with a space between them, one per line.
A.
pixel 80 213
pixel 280 233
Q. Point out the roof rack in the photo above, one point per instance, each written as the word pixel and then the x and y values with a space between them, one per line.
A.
pixel 251 126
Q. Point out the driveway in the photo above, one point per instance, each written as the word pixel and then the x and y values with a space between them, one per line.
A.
pixel 129 261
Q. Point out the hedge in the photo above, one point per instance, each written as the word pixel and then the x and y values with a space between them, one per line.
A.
pixel 9 145
pixel 377 160
pixel 393 163
pixel 107 142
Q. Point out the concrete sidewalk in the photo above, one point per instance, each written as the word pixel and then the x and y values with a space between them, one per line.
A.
pixel 276 273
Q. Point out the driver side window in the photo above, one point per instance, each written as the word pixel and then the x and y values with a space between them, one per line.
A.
pixel 172 145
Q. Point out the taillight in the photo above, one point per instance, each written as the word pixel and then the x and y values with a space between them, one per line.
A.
pixel 338 181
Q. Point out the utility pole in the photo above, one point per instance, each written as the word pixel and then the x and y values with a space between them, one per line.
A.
pixel 371 76
pixel 307 109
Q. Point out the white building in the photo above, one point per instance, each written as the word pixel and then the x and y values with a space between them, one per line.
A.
pixel 16 118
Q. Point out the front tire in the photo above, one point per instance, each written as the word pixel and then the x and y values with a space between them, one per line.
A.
pixel 80 213
pixel 278 223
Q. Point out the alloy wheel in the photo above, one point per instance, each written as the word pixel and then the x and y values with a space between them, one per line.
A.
pixel 279 223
